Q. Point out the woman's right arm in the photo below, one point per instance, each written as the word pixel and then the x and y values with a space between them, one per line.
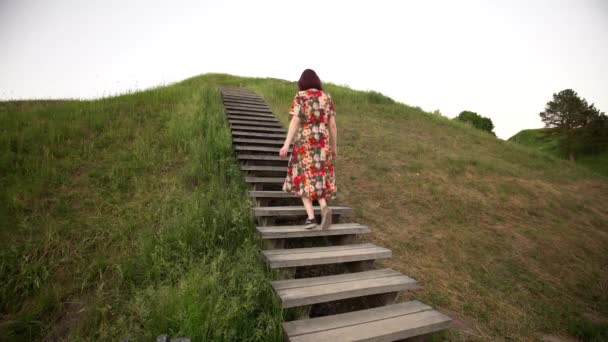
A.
pixel 293 127
pixel 333 130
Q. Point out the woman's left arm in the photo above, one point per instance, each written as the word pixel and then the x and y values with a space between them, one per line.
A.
pixel 293 126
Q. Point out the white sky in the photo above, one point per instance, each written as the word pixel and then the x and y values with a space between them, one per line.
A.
pixel 502 59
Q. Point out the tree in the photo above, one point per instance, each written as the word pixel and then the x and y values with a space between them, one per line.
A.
pixel 573 119
pixel 478 121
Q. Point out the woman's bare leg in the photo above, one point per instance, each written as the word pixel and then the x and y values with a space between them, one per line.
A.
pixel 325 214
pixel 308 205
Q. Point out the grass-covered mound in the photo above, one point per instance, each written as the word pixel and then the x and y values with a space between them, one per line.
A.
pixel 127 217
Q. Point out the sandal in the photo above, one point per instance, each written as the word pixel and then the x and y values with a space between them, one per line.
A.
pixel 310 223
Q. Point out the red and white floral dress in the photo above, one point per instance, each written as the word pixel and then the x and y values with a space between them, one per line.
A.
pixel 310 170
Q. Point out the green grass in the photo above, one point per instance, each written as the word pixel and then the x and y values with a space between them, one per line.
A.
pixel 126 217
pixel 542 140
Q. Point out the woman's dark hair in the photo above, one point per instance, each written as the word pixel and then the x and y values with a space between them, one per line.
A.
pixel 309 79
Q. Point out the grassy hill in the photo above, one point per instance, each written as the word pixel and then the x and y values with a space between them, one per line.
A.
pixel 542 140
pixel 126 217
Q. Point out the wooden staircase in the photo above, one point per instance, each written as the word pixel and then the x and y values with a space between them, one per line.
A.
pixel 328 275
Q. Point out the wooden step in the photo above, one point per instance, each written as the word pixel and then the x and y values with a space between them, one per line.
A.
pixel 271 194
pixel 251 118
pixel 267 149
pixel 257 129
pixel 263 168
pixel 288 232
pixel 387 323
pixel 249 109
pixel 236 133
pixel 254 123
pixel 240 94
pixel 281 258
pixel 258 141
pixel 308 291
pixel 266 157
pixel 296 210
pixel 241 100
pixel 248 113
pixel 265 180
pixel 259 105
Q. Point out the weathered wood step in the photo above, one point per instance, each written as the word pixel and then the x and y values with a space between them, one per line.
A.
pixel 268 149
pixel 255 123
pixel 387 323
pixel 249 109
pixel 242 100
pixel 258 141
pixel 257 129
pixel 265 157
pixel 236 133
pixel 296 210
pixel 240 94
pixel 308 291
pixel 288 232
pixel 271 194
pixel 264 180
pixel 249 113
pixel 263 168
pixel 281 258
pixel 251 118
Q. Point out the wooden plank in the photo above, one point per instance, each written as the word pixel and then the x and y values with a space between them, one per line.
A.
pixel 243 101
pixel 308 291
pixel 271 194
pixel 294 210
pixel 257 134
pixel 258 141
pixel 278 180
pixel 251 118
pixel 314 325
pixel 257 129
pixel 297 231
pixel 324 255
pixel 390 329
pixel 267 149
pixel 241 95
pixel 249 113
pixel 239 100
pixel 255 123
pixel 315 281
pixel 260 157
pixel 261 104
pixel 263 168
pixel 248 109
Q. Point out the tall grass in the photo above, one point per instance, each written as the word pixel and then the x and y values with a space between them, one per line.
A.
pixel 127 217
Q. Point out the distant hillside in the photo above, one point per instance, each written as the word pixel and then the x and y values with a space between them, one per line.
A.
pixel 542 140
pixel 126 217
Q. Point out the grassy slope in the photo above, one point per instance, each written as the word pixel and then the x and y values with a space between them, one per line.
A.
pixel 512 241
pixel 539 139
pixel 126 217
pixel 115 230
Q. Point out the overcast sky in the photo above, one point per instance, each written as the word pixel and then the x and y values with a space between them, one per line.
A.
pixel 501 59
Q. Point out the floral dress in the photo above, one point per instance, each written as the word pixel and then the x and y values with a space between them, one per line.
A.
pixel 310 171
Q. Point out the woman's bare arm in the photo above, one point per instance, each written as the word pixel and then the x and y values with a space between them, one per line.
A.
pixel 333 131
pixel 293 127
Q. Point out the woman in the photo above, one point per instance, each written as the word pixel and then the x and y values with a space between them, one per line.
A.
pixel 313 131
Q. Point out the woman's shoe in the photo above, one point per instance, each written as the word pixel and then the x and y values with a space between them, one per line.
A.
pixel 325 217
pixel 310 223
